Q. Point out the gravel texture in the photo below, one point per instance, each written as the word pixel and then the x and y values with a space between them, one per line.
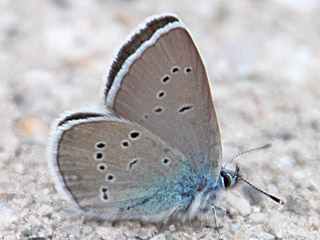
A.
pixel 263 60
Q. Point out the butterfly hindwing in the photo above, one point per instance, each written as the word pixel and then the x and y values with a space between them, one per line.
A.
pixel 114 169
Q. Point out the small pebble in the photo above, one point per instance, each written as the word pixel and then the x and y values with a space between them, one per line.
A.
pixel 73 228
pixel 256 209
pixel 107 233
pixel 233 212
pixel 160 236
pixel 29 126
pixel 8 216
pixel 266 236
pixel 172 228
pixel 241 235
pixel 286 162
pixel 18 167
pixel 314 221
pixel 276 227
pixel 45 191
pixel 9 238
pixel 298 175
pixel 241 204
pixel 314 185
pixel 44 210
pixel 257 218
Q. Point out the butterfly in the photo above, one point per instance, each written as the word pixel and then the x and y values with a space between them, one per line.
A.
pixel 156 152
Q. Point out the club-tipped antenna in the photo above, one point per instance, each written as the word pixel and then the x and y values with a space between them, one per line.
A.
pixel 274 198
pixel 247 151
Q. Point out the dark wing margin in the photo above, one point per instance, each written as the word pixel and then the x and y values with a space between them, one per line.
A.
pixel 133 44
pixel 78 116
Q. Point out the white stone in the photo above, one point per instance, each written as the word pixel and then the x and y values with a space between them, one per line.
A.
pixel 45 191
pixel 73 228
pixel 314 185
pixel 7 216
pixel 9 238
pixel 160 236
pixel 286 162
pixel 266 236
pixel 256 209
pixel 107 233
pixel 258 218
pixel 298 175
pixel 172 228
pixel 233 211
pixel 44 210
pixel 18 167
pixel 276 226
pixel 239 203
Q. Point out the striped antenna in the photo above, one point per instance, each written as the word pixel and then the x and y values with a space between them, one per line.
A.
pixel 269 145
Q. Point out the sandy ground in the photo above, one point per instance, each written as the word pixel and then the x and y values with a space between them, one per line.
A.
pixel 263 60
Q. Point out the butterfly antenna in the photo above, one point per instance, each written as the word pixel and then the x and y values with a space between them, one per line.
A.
pixel 274 198
pixel 247 151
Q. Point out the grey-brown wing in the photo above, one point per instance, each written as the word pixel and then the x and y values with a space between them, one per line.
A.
pixel 160 82
pixel 114 170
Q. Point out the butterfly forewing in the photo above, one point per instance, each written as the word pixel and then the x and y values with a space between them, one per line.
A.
pixel 114 169
pixel 164 87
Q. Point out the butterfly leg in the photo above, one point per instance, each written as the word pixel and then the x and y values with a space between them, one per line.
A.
pixel 220 209
pixel 214 209
pixel 160 225
pixel 166 221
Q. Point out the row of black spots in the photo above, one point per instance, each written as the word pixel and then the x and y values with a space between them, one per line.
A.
pixel 133 135
pixel 110 178
pixel 165 79
pixel 161 94
pixel 166 161
pixel 187 70
pixel 100 145
pixel 104 189
pixel 185 108
pixel 103 193
pixel 158 110
pixel 125 144
pixel 102 167
pixel 132 163
pixel 98 156
pixel 174 70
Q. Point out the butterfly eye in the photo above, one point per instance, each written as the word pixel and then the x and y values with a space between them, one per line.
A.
pixel 227 179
